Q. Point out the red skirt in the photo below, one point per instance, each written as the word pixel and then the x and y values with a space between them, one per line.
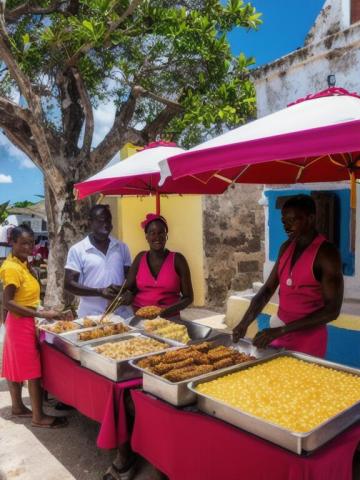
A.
pixel 21 355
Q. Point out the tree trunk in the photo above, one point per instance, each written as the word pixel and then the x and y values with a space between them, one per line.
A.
pixel 67 224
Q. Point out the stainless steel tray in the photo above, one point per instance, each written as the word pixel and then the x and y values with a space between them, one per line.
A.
pixel 69 343
pixel 114 369
pixel 96 318
pixel 293 441
pixel 195 330
pixel 178 393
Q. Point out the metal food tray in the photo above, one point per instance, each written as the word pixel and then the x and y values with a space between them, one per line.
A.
pixel 177 393
pixel 294 441
pixel 69 343
pixel 196 331
pixel 96 318
pixel 113 369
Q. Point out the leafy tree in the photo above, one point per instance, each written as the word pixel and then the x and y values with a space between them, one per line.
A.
pixel 3 212
pixel 165 64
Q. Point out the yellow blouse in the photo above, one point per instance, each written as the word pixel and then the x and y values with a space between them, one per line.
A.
pixel 15 272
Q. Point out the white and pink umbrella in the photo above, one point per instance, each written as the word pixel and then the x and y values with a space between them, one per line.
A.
pixel 140 175
pixel 316 139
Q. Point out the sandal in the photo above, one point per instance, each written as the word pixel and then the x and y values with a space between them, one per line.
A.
pixel 21 415
pixel 58 422
pixel 124 473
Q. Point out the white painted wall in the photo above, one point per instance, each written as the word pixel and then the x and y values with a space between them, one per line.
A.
pixel 332 47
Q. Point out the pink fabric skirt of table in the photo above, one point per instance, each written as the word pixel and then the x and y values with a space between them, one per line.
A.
pixel 194 446
pixel 21 356
pixel 91 394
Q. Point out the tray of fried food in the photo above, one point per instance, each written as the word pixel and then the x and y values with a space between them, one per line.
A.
pixel 185 363
pixel 103 331
pixel 167 375
pixel 60 326
pixel 96 320
pixel 111 359
pixel 167 329
pixel 182 331
pixel 150 311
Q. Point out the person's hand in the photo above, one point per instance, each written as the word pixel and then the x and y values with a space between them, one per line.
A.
pixel 66 315
pixel 126 298
pixel 239 331
pixel 109 292
pixel 49 314
pixel 265 337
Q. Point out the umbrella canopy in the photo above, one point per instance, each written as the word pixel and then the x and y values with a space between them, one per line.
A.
pixel 140 175
pixel 316 139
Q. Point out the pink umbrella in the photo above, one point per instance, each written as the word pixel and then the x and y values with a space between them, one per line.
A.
pixel 140 175
pixel 316 139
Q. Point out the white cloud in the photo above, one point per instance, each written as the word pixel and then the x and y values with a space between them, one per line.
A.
pixel 14 154
pixel 5 178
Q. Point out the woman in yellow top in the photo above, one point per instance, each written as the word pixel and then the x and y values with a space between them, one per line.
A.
pixel 21 356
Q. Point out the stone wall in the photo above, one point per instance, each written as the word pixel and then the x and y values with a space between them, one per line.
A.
pixel 233 241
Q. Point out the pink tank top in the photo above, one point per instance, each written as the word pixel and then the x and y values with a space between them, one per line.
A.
pixel 300 294
pixel 161 291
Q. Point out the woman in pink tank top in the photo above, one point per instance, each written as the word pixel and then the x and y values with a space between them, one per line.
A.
pixel 159 277
pixel 309 273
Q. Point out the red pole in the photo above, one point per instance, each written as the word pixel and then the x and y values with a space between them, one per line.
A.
pixel 157 203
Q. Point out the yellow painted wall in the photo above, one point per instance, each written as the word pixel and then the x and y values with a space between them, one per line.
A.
pixel 184 217
pixel 185 220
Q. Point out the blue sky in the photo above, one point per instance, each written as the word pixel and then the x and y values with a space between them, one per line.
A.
pixel 284 28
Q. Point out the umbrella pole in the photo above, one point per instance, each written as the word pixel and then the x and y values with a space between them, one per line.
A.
pixel 157 203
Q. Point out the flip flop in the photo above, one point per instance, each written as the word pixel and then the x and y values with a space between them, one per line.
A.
pixel 58 422
pixel 21 415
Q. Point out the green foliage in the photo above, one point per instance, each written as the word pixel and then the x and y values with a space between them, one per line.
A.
pixel 23 204
pixel 3 212
pixel 175 49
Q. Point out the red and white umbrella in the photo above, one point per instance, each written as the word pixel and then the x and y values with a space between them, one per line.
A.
pixel 140 175
pixel 316 139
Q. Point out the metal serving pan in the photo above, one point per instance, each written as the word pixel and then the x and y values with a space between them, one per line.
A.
pixel 294 441
pixel 195 330
pixel 114 369
pixel 177 393
pixel 96 318
pixel 69 343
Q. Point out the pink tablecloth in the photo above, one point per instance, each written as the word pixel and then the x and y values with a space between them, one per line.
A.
pixel 91 394
pixel 194 446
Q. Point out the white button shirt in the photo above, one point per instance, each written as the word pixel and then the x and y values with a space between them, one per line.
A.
pixel 99 271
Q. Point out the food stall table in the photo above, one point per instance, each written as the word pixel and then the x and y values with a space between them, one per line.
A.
pixel 91 394
pixel 192 445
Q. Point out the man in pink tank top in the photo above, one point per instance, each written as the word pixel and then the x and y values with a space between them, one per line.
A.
pixel 308 272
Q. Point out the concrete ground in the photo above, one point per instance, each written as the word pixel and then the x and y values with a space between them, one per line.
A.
pixel 70 453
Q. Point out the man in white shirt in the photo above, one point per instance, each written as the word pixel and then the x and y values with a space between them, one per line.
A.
pixel 97 265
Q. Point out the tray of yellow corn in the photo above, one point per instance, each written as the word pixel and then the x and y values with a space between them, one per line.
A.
pixel 167 375
pixel 292 399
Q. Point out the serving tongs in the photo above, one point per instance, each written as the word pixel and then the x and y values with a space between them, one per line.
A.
pixel 112 306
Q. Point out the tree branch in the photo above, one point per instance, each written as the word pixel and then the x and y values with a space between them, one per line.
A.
pixel 88 112
pixel 112 27
pixel 27 8
pixel 169 103
pixel 116 137
pixel 72 113
pixel 153 129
